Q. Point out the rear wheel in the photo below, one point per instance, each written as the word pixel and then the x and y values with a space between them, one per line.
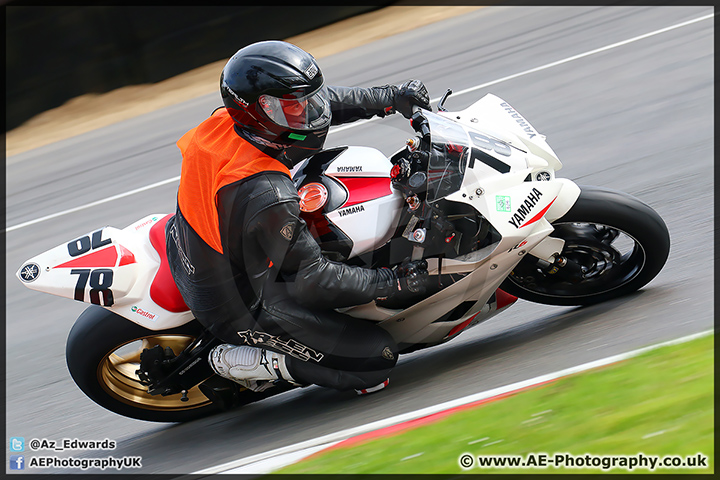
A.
pixel 103 353
pixel 614 245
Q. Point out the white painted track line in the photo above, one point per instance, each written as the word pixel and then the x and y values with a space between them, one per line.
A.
pixel 363 122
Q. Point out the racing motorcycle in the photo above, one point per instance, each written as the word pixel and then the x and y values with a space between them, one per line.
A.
pixel 474 193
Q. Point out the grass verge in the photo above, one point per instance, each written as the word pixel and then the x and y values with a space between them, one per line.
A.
pixel 655 405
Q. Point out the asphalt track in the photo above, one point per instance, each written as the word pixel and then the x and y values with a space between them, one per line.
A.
pixel 637 117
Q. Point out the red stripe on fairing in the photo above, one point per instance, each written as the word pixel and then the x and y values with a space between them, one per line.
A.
pixel 317 223
pixel 126 256
pixel 538 216
pixel 107 257
pixel 363 189
pixel 464 324
pixel 503 298
pixel 102 258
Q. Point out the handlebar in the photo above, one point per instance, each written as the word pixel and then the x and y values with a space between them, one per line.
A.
pixel 420 123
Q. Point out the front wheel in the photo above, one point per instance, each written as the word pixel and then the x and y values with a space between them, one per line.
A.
pixel 614 242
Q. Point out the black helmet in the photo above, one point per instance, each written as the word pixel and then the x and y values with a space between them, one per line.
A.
pixel 275 93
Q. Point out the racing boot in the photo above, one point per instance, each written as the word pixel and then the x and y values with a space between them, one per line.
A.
pixel 254 368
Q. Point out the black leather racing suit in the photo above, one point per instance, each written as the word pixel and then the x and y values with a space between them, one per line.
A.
pixel 272 287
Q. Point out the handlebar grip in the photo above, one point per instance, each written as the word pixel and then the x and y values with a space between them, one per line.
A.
pixel 419 123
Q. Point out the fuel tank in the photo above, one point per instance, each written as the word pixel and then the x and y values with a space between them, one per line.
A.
pixel 348 201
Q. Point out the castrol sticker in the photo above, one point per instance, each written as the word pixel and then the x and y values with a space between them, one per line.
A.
pixel 143 313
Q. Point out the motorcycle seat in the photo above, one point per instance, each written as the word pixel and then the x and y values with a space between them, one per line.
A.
pixel 163 290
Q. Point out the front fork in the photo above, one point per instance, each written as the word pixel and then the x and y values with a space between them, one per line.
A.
pixel 563 268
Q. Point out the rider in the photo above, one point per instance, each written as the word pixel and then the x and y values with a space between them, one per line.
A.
pixel 245 263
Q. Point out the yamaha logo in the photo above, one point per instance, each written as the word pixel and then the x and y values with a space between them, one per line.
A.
pixel 527 206
pixel 29 272
pixel 543 177
pixel 349 210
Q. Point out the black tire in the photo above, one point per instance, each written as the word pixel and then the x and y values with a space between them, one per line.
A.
pixel 620 242
pixel 106 374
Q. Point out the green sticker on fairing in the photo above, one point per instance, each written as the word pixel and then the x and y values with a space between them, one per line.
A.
pixel 295 136
pixel 502 203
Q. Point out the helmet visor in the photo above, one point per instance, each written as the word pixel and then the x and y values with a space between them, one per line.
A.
pixel 309 112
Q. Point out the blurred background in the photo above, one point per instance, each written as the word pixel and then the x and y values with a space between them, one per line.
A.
pixel 55 53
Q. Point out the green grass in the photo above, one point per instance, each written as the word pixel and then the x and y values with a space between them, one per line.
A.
pixel 660 403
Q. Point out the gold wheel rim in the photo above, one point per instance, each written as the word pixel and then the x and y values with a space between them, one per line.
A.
pixel 116 374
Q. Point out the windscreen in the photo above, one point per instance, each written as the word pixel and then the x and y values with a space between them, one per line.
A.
pixel 449 152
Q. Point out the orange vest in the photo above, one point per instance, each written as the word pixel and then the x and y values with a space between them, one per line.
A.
pixel 215 156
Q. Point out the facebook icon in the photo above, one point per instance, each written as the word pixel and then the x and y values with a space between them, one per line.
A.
pixel 17 462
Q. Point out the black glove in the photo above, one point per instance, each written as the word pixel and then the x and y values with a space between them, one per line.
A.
pixel 410 93
pixel 407 279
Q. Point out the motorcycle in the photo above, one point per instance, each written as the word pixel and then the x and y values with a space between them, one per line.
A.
pixel 474 193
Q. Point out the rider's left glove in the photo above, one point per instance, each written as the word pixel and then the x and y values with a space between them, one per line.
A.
pixel 412 276
pixel 406 280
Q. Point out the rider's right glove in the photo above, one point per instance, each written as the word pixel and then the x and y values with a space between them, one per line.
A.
pixel 409 94
pixel 407 279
